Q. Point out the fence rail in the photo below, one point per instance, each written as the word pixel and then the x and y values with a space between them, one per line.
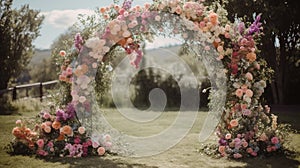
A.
pixel 26 86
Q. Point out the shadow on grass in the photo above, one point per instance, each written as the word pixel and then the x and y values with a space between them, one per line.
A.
pixel 91 162
pixel 278 161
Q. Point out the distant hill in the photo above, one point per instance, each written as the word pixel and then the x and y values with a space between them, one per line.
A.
pixel 39 56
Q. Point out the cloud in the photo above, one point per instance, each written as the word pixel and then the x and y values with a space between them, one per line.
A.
pixel 64 18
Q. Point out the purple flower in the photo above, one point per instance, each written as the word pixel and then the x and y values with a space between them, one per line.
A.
pixel 78 41
pixel 70 109
pixel 241 27
pixel 127 4
pixel 69 113
pixel 222 142
pixel 256 26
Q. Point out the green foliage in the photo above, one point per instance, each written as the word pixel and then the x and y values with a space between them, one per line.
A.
pixel 18 28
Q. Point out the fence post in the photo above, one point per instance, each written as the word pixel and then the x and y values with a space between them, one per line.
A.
pixel 14 94
pixel 41 91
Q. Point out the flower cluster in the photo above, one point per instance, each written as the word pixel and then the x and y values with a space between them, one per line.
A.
pixel 246 129
pixel 59 134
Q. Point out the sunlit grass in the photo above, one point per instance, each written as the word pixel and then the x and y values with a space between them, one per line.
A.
pixel 184 154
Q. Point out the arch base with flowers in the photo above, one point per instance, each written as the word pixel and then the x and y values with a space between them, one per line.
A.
pixel 247 128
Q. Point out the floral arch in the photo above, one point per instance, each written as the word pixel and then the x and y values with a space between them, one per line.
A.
pixel 246 127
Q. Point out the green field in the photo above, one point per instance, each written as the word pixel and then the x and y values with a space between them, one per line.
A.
pixel 184 154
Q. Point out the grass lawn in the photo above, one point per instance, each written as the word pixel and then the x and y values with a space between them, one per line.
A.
pixel 184 154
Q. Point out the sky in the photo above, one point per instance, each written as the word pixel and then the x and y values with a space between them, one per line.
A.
pixel 61 14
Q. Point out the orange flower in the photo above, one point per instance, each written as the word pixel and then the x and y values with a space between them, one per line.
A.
pixel 16 131
pixel 67 130
pixel 80 70
pixel 239 93
pixel 102 10
pixel 222 149
pixel 61 137
pixel 56 125
pixel 251 56
pixel 234 123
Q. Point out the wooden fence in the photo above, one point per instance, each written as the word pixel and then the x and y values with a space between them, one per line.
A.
pixel 40 85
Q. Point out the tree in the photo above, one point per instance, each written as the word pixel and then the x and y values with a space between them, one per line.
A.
pixel 280 45
pixel 18 29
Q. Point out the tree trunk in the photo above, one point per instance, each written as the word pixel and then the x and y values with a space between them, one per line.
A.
pixel 269 53
pixel 282 70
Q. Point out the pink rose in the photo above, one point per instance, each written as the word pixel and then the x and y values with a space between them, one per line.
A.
pixel 108 144
pixel 46 116
pixel 18 122
pixel 50 144
pixel 253 153
pixel 275 140
pixel 107 137
pixel 237 155
pixel 95 144
pixel 247 112
pixel 101 151
pixel 269 149
pixel 245 144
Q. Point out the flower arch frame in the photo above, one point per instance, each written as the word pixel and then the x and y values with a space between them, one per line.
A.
pixel 246 126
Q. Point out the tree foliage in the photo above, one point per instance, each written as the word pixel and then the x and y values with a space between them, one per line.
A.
pixel 18 29
pixel 280 45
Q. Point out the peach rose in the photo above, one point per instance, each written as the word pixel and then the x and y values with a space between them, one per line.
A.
pixel 81 130
pixel 234 123
pixel 102 10
pixel 213 17
pixel 239 93
pixel 245 144
pixel 222 149
pixel 244 106
pixel 16 131
pixel 251 56
pixel 67 130
pixel 263 137
pixel 62 53
pixel 56 125
pixel 228 136
pixel 249 93
pixel 47 129
pixel 249 76
pixel 249 150
pixel 101 151
pixel 61 137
